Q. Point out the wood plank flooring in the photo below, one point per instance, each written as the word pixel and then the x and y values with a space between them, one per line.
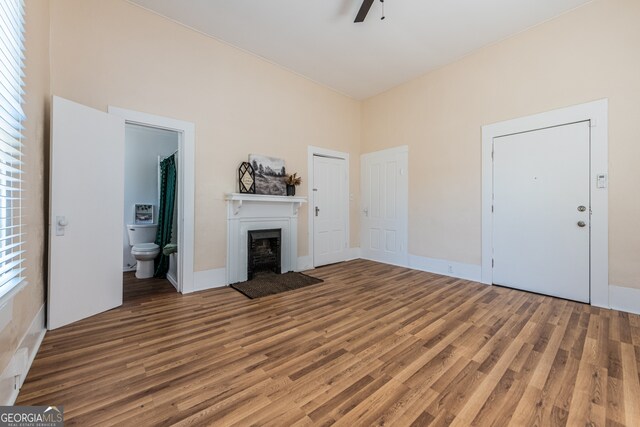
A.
pixel 373 345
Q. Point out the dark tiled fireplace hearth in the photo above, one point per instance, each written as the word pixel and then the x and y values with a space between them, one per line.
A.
pixel 264 251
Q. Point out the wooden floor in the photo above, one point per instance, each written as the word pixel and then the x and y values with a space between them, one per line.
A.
pixel 373 345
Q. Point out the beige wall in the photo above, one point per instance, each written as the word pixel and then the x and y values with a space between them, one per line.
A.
pixel 114 53
pixel 588 54
pixel 29 300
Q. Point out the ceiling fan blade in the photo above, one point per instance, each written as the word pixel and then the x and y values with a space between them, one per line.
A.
pixel 364 9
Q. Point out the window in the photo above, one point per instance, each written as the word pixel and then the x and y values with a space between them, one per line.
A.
pixel 11 118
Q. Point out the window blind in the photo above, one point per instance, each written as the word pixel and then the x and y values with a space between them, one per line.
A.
pixel 11 118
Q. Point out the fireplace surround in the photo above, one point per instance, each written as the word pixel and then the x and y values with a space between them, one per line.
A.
pixel 250 212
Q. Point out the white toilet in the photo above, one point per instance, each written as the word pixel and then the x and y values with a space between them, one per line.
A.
pixel 141 238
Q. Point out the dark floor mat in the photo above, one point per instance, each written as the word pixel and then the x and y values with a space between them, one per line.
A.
pixel 268 283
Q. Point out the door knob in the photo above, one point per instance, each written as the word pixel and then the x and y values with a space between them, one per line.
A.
pixel 581 223
pixel 581 208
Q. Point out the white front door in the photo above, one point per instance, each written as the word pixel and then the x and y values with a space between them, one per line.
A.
pixel 541 211
pixel 86 203
pixel 330 210
pixel 384 216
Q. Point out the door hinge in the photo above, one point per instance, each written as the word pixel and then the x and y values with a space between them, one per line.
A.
pixel 493 262
pixel 491 208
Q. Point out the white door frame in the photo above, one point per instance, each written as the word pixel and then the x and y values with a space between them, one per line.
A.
pixel 323 152
pixel 186 186
pixel 597 113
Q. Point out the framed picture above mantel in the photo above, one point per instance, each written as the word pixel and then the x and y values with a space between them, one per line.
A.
pixel 270 175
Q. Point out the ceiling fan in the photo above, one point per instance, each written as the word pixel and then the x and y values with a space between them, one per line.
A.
pixel 364 9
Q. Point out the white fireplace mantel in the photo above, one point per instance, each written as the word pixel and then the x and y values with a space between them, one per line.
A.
pixel 237 199
pixel 247 212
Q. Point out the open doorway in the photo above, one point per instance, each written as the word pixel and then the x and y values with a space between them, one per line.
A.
pixel 151 233
pixel 87 205
pixel 180 272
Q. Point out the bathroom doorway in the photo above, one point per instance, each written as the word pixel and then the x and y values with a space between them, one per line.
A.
pixel 151 190
pixel 166 129
pixel 97 183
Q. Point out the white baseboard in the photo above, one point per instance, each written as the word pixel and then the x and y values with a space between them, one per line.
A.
pixel 446 268
pixel 304 263
pixel 352 253
pixel 620 298
pixel 458 270
pixel 209 279
pixel 217 277
pixel 624 299
pixel 172 280
pixel 21 361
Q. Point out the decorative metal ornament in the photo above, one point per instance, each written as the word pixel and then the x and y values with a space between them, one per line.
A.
pixel 247 178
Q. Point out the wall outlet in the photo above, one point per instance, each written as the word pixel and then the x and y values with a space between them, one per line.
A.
pixel 450 269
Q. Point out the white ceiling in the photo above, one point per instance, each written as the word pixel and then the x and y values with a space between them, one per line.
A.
pixel 319 40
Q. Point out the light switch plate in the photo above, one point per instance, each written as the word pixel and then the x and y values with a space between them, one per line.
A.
pixel 601 181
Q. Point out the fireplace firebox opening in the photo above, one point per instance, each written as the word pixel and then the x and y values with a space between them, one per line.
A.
pixel 264 251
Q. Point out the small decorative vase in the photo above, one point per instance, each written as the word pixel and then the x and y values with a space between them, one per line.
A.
pixel 291 190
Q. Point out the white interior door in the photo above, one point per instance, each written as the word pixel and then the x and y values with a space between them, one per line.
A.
pixel 86 204
pixel 541 211
pixel 330 209
pixel 385 189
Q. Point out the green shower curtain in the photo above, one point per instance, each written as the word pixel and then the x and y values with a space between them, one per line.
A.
pixel 165 212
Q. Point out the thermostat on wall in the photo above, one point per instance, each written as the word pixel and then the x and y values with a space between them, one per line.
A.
pixel 601 181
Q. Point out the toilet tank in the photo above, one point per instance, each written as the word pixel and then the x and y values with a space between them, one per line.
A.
pixel 141 233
